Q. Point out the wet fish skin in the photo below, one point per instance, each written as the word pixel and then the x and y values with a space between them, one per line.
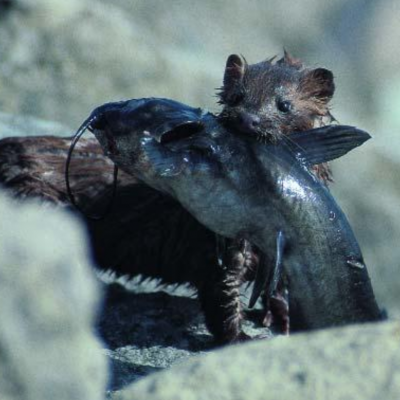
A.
pixel 239 188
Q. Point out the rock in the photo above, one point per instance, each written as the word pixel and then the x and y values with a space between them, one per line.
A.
pixel 358 362
pixel 370 199
pixel 17 125
pixel 148 328
pixel 48 302
pixel 57 58
pixel 61 59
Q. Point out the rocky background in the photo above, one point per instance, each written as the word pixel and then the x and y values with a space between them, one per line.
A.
pixel 59 60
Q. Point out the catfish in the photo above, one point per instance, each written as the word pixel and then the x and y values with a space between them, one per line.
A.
pixel 265 194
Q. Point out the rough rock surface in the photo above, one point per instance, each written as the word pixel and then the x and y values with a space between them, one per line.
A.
pixel 371 201
pixel 359 363
pixel 48 301
pixel 16 125
pixel 148 328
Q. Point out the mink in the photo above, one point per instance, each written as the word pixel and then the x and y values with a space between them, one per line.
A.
pixel 268 100
pixel 146 232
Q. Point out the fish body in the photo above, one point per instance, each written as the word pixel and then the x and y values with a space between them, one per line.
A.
pixel 239 188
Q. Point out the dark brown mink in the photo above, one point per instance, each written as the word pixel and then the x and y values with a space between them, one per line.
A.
pixel 273 98
pixel 149 234
pixel 269 100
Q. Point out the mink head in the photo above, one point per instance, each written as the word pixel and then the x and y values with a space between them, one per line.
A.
pixel 270 98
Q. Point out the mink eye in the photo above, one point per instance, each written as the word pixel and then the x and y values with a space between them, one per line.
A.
pixel 284 105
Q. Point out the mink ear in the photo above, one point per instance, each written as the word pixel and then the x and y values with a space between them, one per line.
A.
pixel 288 59
pixel 232 89
pixel 234 70
pixel 318 83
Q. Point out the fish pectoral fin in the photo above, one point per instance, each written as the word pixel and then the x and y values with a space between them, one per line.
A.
pixel 324 144
pixel 164 162
pixel 277 272
pixel 160 160
pixel 166 133
pixel 262 280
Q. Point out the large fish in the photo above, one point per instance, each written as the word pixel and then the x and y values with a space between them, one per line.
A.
pixel 264 193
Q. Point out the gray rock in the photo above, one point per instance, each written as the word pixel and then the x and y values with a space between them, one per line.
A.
pixel 61 59
pixel 358 363
pixel 57 58
pixel 368 189
pixel 148 328
pixel 17 125
pixel 48 302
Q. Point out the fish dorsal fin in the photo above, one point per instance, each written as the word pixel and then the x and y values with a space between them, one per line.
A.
pixel 324 144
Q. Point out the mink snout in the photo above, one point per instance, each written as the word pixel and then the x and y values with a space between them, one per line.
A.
pixel 247 122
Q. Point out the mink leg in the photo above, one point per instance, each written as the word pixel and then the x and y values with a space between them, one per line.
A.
pixel 276 307
pixel 220 296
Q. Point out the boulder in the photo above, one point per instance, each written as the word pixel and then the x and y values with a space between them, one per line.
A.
pixel 358 362
pixel 49 299
pixel 18 125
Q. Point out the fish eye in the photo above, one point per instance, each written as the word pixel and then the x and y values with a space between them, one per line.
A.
pixel 284 105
